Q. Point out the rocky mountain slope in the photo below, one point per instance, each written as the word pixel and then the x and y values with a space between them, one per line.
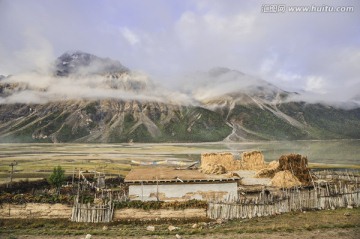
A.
pixel 109 121
pixel 92 99
pixel 258 110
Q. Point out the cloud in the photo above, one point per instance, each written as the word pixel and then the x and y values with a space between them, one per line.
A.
pixel 166 39
pixel 35 54
pixel 130 36
pixel 223 82
pixel 315 84
pixel 38 88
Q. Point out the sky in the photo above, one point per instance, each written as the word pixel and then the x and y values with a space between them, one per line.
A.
pixel 316 52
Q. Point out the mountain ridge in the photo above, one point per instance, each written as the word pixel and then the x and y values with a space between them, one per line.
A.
pixel 92 99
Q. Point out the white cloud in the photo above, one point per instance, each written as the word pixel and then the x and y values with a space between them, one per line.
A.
pixel 288 78
pixel 35 54
pixel 38 88
pixel 315 84
pixel 269 65
pixel 130 36
pixel 168 38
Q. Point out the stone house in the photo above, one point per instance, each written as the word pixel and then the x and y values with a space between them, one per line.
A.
pixel 171 184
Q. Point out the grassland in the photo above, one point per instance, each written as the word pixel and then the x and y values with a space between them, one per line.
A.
pixel 37 160
pixel 340 223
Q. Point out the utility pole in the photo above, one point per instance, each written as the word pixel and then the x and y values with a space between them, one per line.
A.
pixel 12 171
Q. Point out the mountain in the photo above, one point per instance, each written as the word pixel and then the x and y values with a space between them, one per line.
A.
pixel 222 82
pixel 109 121
pixel 76 75
pixel 258 110
pixel 91 99
pixel 82 63
pixel 78 64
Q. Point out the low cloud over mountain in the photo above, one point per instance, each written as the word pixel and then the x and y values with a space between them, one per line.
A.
pixel 85 98
pixel 79 75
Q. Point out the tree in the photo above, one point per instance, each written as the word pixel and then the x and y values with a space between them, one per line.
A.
pixel 57 178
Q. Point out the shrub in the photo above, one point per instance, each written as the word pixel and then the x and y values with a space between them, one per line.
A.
pixel 57 178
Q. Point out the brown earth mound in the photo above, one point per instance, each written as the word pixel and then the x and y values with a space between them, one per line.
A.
pixel 225 159
pixel 213 169
pixel 249 160
pixel 285 179
pixel 297 165
pixel 252 160
pixel 270 171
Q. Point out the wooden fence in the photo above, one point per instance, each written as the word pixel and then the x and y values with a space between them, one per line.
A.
pixel 329 196
pixel 92 213
pixel 353 176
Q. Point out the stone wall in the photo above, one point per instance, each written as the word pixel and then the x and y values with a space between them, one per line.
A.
pixel 184 191
pixel 35 210
pixel 42 210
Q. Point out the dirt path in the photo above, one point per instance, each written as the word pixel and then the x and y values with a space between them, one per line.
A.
pixel 315 234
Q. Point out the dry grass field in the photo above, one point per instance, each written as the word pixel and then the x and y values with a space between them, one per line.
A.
pixel 340 223
pixel 37 160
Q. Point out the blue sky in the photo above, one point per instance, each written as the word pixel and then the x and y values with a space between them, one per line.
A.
pixel 316 52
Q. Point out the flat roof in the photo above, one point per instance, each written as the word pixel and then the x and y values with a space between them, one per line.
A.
pixel 172 175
